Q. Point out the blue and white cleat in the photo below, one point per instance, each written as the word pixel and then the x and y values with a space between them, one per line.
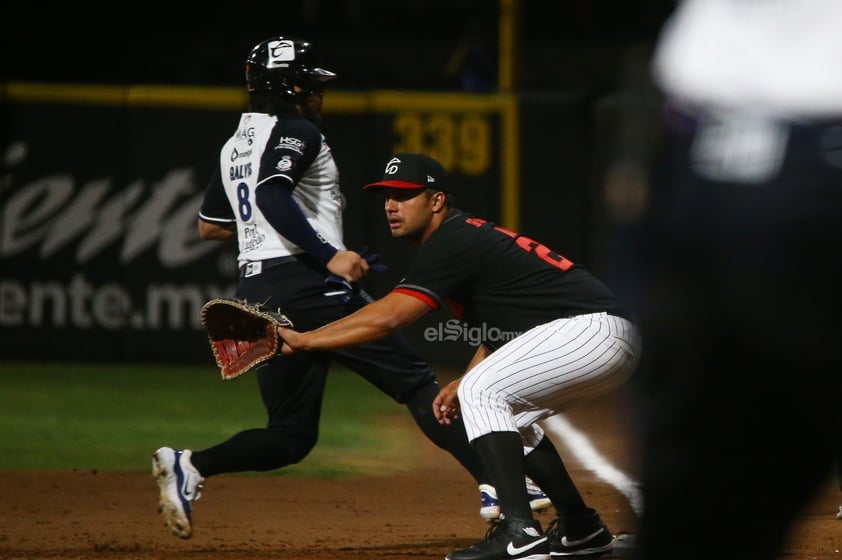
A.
pixel 490 508
pixel 179 483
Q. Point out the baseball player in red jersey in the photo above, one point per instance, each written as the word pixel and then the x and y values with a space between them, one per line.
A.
pixel 553 335
pixel 277 196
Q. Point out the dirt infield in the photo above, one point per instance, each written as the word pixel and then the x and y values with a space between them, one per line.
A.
pixel 418 513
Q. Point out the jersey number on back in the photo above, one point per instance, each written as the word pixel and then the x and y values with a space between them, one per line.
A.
pixel 530 246
pixel 243 203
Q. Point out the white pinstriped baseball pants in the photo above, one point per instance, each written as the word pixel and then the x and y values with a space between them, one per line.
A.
pixel 546 370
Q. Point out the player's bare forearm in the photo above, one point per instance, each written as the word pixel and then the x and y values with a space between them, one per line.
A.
pixel 376 320
pixel 482 353
pixel 216 232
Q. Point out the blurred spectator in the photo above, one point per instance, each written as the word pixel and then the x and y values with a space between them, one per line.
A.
pixel 473 63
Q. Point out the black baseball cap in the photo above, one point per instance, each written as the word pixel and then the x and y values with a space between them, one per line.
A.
pixel 411 171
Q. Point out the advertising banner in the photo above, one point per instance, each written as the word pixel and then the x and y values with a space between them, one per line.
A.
pixel 100 258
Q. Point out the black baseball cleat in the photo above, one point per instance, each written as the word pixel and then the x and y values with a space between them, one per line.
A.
pixel 594 541
pixel 508 539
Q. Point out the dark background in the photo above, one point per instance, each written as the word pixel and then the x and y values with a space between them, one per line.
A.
pixel 370 44
pixel 583 98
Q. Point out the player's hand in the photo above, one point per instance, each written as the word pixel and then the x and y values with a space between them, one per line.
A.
pixel 373 260
pixel 292 340
pixel 446 403
pixel 348 265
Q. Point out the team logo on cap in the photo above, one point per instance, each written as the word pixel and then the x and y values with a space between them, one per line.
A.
pixel 392 166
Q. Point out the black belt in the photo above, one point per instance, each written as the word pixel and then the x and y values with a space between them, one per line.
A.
pixel 265 265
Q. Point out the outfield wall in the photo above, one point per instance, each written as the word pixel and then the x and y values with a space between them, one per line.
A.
pixel 99 255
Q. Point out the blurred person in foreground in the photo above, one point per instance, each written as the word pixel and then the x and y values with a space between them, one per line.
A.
pixel 741 383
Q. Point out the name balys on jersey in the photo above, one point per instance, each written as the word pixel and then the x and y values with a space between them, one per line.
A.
pixel 264 148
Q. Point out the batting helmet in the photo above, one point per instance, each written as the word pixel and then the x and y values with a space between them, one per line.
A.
pixel 279 64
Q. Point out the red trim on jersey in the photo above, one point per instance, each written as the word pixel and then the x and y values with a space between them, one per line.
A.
pixel 418 295
pixel 457 308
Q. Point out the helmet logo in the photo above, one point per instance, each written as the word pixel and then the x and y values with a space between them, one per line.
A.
pixel 281 53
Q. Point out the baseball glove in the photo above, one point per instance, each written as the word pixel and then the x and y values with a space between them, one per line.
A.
pixel 241 334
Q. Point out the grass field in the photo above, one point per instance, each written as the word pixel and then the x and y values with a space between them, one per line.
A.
pixel 113 416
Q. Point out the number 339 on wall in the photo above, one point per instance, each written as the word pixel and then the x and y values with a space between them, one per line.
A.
pixel 460 141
